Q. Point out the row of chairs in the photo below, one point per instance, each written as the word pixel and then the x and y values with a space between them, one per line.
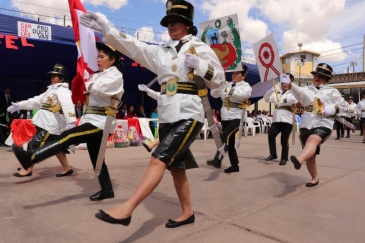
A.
pixel 250 125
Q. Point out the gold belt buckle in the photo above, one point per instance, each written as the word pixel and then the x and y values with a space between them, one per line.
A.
pixel 171 86
pixel 317 106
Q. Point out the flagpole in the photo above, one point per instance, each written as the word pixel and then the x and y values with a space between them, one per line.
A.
pixel 277 96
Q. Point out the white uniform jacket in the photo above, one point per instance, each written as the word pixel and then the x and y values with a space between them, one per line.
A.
pixel 360 108
pixel 46 119
pixel 329 96
pixel 351 112
pixel 286 99
pixel 168 64
pixel 240 92
pixel 104 85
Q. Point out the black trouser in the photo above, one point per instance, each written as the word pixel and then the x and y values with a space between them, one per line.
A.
pixel 285 129
pixel 362 124
pixel 351 120
pixel 85 133
pixel 339 128
pixel 228 138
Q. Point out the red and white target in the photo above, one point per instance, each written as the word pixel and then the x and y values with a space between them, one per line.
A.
pixel 268 58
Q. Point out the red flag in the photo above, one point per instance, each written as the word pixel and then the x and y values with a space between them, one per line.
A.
pixel 87 52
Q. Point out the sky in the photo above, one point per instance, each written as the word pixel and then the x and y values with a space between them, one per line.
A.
pixel 333 28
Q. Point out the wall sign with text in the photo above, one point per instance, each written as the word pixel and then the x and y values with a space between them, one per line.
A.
pixel 36 31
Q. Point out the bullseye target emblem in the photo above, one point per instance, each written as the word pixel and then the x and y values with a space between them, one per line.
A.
pixel 267 57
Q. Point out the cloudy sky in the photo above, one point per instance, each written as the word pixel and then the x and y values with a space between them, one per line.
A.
pixel 334 28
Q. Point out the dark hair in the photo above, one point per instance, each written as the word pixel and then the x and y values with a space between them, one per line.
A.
pixel 118 63
pixel 193 30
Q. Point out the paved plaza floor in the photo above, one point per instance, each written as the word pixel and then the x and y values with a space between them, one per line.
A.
pixel 264 202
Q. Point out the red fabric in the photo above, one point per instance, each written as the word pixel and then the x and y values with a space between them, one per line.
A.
pixel 22 131
pixel 134 122
pixel 77 121
pixel 78 83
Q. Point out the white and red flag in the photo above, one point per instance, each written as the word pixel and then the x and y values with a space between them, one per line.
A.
pixel 267 58
pixel 87 52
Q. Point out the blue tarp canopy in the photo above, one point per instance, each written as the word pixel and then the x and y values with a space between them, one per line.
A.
pixel 25 63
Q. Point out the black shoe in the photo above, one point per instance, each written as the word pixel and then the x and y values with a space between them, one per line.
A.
pixel 65 174
pixel 361 135
pixel 232 169
pixel 19 175
pixel 310 184
pixel 296 163
pixel 342 135
pixel 174 224
pixel 216 163
pixel 271 157
pixel 282 162
pixel 337 138
pixel 107 218
pixel 146 147
pixel 102 195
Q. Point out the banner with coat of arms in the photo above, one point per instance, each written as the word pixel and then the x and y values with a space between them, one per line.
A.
pixel 222 35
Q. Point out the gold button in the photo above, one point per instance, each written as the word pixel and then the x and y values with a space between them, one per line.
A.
pixel 174 68
pixel 174 57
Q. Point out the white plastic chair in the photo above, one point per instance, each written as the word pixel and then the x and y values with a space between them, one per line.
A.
pixel 249 124
pixel 205 129
pixel 265 125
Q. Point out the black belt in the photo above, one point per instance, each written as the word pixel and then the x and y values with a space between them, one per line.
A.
pixel 47 107
pixel 182 88
pixel 95 110
pixel 233 104
pixel 287 108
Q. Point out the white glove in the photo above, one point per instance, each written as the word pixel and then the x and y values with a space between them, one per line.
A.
pixel 191 61
pixel 70 126
pixel 14 107
pixel 285 79
pixel 95 22
pixel 143 87
pixel 327 111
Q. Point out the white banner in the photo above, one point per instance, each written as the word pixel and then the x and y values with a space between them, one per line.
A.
pixel 222 35
pixel 36 31
pixel 267 58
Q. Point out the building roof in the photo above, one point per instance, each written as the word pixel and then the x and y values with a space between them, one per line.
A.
pixel 300 52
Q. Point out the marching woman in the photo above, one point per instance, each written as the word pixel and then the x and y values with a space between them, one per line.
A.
pixel 350 114
pixel 282 120
pixel 103 89
pixel 360 111
pixel 48 121
pixel 321 103
pixel 233 94
pixel 181 113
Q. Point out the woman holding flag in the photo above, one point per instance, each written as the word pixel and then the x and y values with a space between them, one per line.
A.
pixel 181 113
pixel 282 119
pixel 103 88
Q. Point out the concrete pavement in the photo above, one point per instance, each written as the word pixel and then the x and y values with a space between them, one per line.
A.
pixel 264 202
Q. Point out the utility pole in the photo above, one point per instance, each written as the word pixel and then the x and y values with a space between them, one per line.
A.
pixel 363 55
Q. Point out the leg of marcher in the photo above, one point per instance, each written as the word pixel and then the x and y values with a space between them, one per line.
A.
pixel 64 162
pixel 273 132
pixel 309 149
pixel 312 168
pixel 149 182
pixel 183 192
pixel 22 173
